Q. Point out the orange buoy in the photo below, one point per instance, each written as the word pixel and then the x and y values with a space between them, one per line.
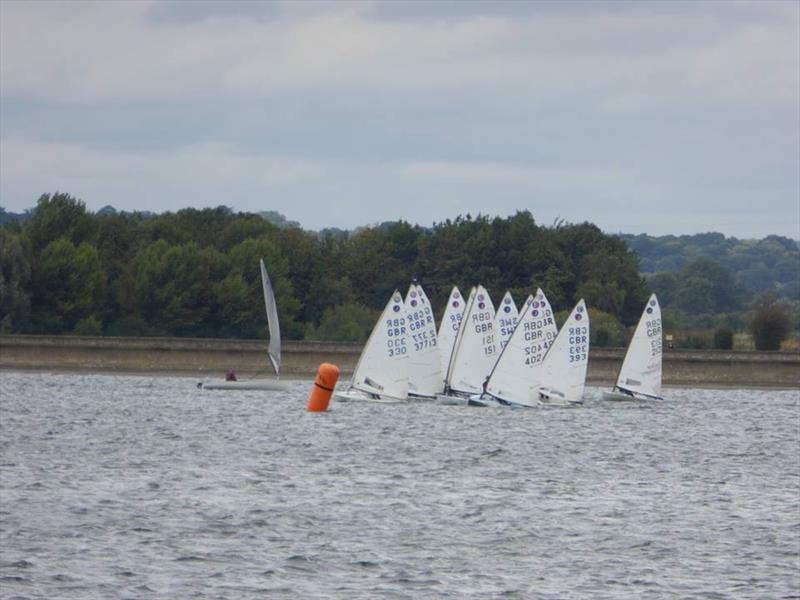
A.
pixel 320 397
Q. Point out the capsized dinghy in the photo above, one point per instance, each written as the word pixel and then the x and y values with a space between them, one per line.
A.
pixel 273 351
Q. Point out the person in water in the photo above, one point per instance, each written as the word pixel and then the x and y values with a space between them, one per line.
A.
pixel 230 376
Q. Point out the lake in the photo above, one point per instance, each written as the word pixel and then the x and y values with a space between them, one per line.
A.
pixel 133 486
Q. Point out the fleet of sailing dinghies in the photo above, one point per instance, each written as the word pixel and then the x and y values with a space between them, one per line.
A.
pixel 273 350
pixel 505 320
pixel 481 358
pixel 448 328
pixel 640 375
pixel 381 374
pixel 425 378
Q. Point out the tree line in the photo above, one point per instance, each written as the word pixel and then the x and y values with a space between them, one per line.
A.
pixel 195 272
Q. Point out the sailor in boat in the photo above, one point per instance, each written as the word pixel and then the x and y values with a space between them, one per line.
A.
pixel 230 375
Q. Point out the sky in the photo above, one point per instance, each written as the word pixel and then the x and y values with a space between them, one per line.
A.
pixel 641 117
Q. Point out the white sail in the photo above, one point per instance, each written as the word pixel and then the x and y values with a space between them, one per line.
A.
pixel 274 350
pixel 518 370
pixel 641 369
pixel 424 367
pixel 448 328
pixel 505 320
pixel 475 350
pixel 382 367
pixel 564 366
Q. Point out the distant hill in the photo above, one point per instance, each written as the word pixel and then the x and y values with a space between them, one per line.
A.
pixel 277 219
pixel 758 265
pixel 8 217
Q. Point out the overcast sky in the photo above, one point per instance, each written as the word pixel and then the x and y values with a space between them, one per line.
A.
pixel 641 117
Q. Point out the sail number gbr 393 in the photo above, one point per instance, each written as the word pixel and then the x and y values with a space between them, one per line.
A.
pixel 578 344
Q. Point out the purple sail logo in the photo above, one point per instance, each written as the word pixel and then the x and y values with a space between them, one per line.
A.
pixel 396 308
pixel 649 311
pixel 455 303
pixel 507 309
pixel 578 317
pixel 535 312
pixel 413 303
pixel 481 305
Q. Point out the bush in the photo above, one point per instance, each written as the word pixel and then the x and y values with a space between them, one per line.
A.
pixel 697 341
pixel 723 339
pixel 771 323
pixel 89 326
pixel 351 322
pixel 605 329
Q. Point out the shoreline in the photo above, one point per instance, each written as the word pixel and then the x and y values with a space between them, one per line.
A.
pixel 212 358
pixel 345 378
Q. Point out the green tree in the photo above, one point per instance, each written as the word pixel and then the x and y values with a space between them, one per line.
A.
pixel 771 322
pixel 350 322
pixel 15 276
pixel 68 285
pixel 58 216
pixel 695 295
pixel 723 338
pixel 244 259
pixel 605 330
pixel 173 287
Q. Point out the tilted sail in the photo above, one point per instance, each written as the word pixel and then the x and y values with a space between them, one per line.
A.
pixel 475 350
pixel 564 366
pixel 518 370
pixel 382 368
pixel 424 368
pixel 505 320
pixel 274 350
pixel 641 369
pixel 448 328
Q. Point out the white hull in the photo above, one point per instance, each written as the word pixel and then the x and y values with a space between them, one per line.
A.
pixel 359 396
pixel 449 400
pixel 255 384
pixel 620 397
pixel 487 401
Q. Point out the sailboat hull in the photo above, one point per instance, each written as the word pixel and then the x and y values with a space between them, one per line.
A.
pixel 359 396
pixel 620 397
pixel 256 384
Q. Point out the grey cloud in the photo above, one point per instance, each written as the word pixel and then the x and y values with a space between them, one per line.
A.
pixel 640 116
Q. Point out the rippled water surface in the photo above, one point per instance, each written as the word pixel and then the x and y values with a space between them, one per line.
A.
pixel 129 487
